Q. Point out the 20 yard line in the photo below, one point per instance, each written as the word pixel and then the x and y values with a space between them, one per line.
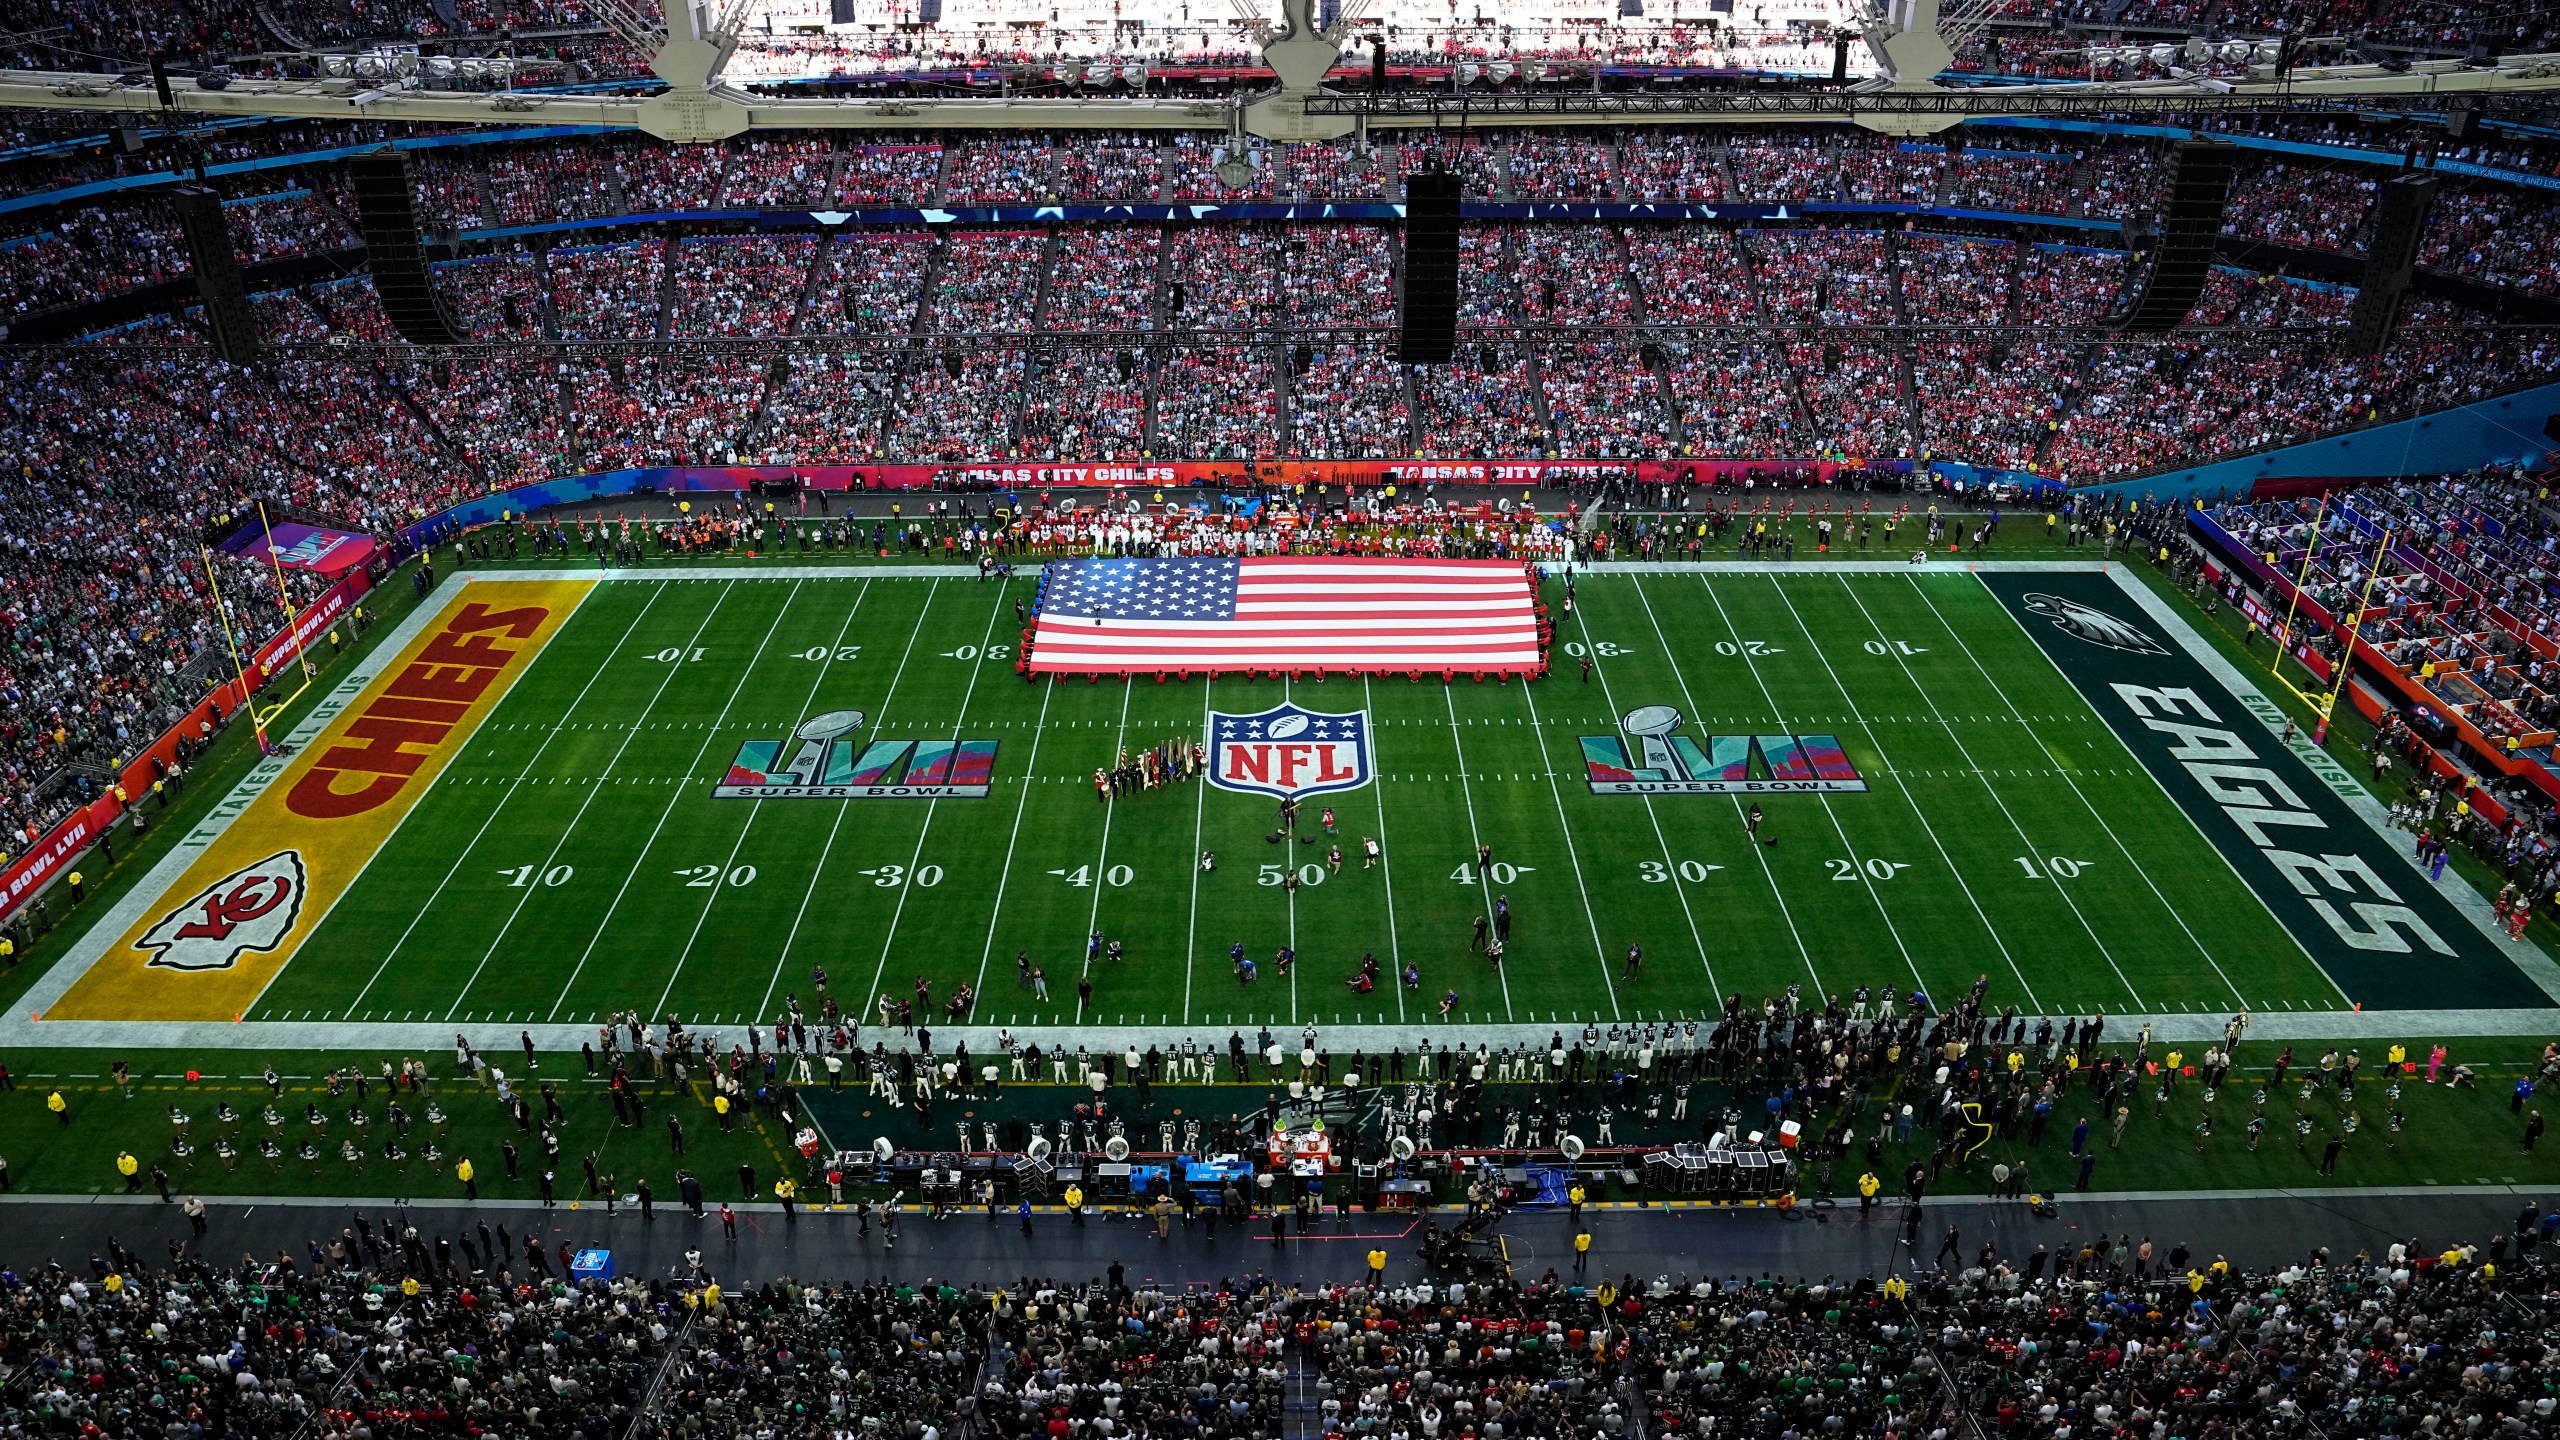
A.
pixel 720 883
pixel 630 733
pixel 1475 844
pixel 675 797
pixel 427 908
pixel 960 722
pixel 1573 857
pixel 1857 863
pixel 2034 1005
pixel 1987 787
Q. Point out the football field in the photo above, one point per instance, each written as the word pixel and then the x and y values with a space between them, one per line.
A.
pixel 555 797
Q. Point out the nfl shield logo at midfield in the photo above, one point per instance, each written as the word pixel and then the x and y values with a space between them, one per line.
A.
pixel 1289 752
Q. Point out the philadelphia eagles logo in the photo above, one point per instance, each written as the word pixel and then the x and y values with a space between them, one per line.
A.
pixel 2093 625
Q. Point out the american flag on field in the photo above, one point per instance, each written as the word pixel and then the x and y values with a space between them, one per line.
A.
pixel 1286 612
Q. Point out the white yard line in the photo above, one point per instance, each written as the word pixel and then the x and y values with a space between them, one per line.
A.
pixel 2082 796
pixel 1199 832
pixel 1386 863
pixel 1573 856
pixel 1030 773
pixel 429 906
pixel 1681 678
pixel 1475 838
pixel 755 809
pixel 1102 863
pixel 676 794
pixel 1988 788
pixel 977 667
pixel 2034 1005
pixel 1857 863
pixel 594 788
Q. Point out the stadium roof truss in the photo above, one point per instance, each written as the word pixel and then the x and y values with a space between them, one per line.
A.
pixel 692 46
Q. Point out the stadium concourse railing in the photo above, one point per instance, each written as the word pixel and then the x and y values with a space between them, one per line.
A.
pixel 51 857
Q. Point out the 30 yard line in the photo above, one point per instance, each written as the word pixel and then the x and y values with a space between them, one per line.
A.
pixel 756 808
pixel 1573 857
pixel 429 906
pixel 1987 787
pixel 2035 1006
pixel 1768 872
pixel 674 797
pixel 629 733
pixel 2096 814
pixel 959 723
pixel 1475 841
pixel 1856 862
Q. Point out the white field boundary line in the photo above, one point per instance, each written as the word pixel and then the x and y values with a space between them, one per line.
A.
pixel 1857 862
pixel 1475 846
pixel 1902 788
pixel 2537 966
pixel 2002 693
pixel 594 788
pixel 146 892
pixel 463 855
pixel 977 666
pixel 1768 873
pixel 709 737
pixel 2016 826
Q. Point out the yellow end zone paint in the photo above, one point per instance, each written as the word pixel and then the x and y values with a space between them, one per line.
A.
pixel 213 940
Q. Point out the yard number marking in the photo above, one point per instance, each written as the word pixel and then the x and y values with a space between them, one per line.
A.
pixel 1082 875
pixel 521 876
pixel 704 877
pixel 1656 872
pixel 1503 873
pixel 2060 867
pixel 1846 871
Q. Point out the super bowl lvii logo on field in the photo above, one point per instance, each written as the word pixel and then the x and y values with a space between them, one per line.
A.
pixel 1670 763
pixel 827 763
pixel 1289 752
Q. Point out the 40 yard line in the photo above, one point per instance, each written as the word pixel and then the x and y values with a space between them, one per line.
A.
pixel 1475 846
pixel 1102 863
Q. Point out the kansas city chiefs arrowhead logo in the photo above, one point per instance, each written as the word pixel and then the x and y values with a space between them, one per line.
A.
pixel 251 909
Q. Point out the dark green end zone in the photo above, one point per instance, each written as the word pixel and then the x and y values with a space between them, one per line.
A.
pixel 2369 919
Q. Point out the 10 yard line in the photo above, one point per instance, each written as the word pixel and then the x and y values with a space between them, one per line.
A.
pixel 549 735
pixel 593 790
pixel 1475 842
pixel 1988 788
pixel 708 736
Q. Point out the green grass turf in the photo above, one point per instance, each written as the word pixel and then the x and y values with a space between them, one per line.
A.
pixel 601 761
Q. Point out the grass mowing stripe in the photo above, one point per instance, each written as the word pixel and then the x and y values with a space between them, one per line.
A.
pixel 710 736
pixel 1475 837
pixel 1386 863
pixel 2095 813
pixel 1876 744
pixel 1199 827
pixel 1857 862
pixel 887 699
pixel 782 961
pixel 1687 697
pixel 593 789
pixel 1039 727
pixel 959 721
pixel 428 906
